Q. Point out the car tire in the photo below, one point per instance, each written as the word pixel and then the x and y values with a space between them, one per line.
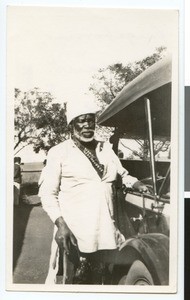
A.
pixel 138 274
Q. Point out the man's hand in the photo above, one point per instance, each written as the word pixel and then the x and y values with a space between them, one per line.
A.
pixel 64 237
pixel 140 187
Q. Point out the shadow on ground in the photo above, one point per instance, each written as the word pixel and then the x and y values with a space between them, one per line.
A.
pixel 21 216
pixel 32 237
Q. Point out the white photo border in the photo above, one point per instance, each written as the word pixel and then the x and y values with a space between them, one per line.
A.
pixel 177 5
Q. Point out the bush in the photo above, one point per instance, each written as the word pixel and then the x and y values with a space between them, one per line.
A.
pixel 29 188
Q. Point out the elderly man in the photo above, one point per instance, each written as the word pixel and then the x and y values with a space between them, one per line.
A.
pixel 78 188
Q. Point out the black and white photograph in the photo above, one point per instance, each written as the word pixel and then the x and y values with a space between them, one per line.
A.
pixel 92 114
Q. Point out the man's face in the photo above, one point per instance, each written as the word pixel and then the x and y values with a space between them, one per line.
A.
pixel 84 127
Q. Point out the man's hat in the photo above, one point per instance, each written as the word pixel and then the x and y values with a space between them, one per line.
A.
pixel 80 107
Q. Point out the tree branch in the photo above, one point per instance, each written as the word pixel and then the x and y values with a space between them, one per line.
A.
pixel 21 148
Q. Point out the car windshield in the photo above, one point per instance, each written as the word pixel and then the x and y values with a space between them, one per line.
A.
pixel 135 157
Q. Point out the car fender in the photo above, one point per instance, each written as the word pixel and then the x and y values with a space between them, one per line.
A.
pixel 153 250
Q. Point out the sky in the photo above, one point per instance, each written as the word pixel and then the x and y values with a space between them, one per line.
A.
pixel 60 49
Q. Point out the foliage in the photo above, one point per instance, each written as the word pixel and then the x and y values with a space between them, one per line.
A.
pixel 41 122
pixel 38 120
pixel 142 149
pixel 109 81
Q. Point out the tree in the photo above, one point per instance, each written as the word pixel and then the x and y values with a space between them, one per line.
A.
pixel 109 81
pixel 39 121
pixel 142 149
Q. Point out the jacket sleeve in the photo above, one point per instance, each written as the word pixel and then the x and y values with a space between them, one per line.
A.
pixel 41 179
pixel 51 185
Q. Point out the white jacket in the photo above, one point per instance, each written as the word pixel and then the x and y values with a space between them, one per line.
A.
pixel 73 189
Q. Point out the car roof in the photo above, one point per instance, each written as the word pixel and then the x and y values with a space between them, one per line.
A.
pixel 127 110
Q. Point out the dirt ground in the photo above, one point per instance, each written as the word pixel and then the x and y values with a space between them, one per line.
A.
pixel 33 232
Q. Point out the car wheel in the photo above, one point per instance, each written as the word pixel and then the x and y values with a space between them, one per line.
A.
pixel 138 274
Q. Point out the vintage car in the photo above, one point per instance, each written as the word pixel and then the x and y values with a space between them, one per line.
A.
pixel 142 110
